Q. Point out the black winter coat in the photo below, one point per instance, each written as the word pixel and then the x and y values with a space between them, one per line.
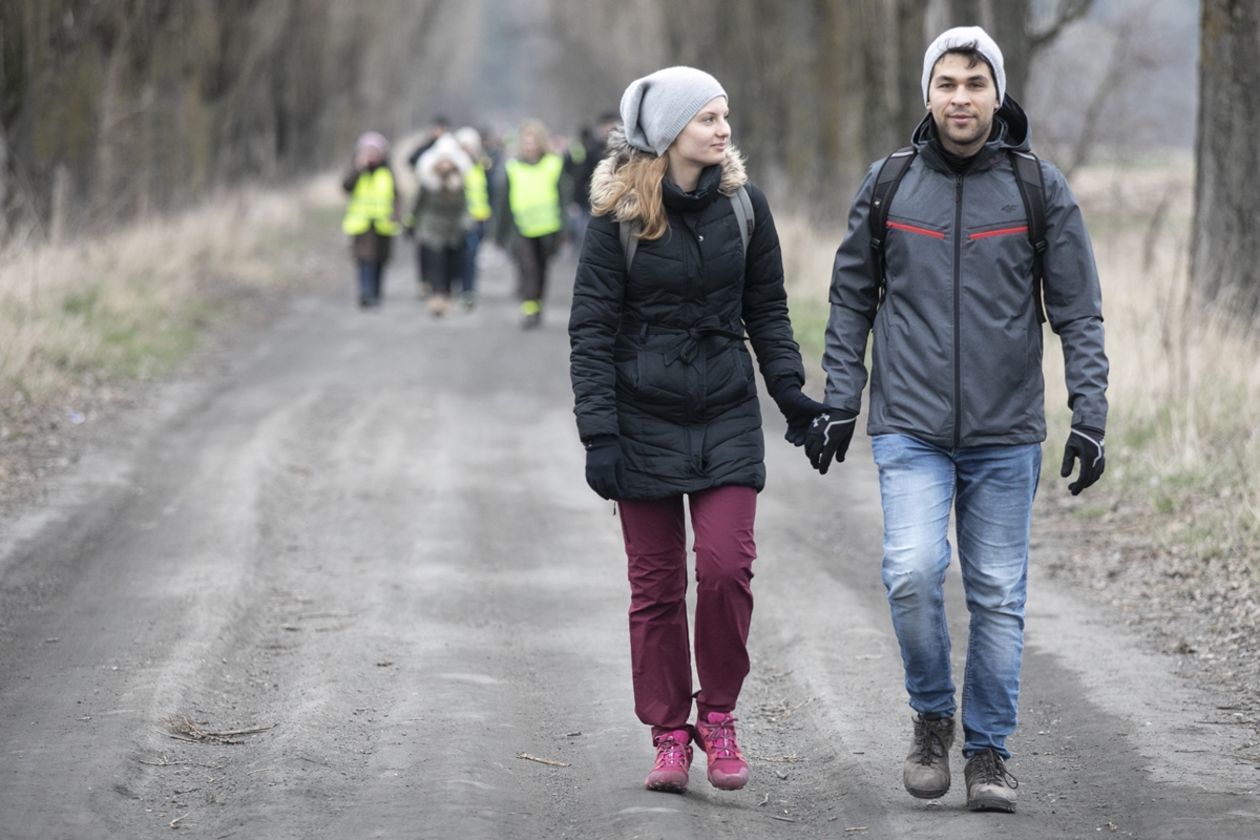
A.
pixel 658 356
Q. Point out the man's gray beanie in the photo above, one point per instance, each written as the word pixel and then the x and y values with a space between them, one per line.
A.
pixel 656 108
pixel 964 37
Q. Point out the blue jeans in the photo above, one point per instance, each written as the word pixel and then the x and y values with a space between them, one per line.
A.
pixel 991 490
pixel 370 275
pixel 472 243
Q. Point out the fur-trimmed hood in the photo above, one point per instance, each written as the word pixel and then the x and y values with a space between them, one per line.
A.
pixel 445 148
pixel 607 175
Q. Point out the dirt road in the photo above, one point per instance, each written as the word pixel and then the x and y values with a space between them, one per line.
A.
pixel 366 536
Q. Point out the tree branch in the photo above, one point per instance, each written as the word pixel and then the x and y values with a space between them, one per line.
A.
pixel 1069 12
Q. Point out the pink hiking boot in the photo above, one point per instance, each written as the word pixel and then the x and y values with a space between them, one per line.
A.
pixel 715 734
pixel 673 762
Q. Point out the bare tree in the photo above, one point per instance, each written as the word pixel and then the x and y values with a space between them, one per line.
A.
pixel 1022 28
pixel 1225 251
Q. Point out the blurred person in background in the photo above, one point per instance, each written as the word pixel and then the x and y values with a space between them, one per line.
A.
pixel 371 217
pixel 579 163
pixel 438 127
pixel 528 216
pixel 950 285
pixel 440 219
pixel 477 198
pixel 666 399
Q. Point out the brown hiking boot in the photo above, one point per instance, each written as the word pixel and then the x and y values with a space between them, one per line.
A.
pixel 990 786
pixel 926 773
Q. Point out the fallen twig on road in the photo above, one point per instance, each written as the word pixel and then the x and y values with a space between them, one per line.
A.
pixel 790 758
pixel 549 762
pixel 182 728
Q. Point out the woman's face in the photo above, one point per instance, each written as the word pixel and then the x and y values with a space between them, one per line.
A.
pixel 531 149
pixel 704 140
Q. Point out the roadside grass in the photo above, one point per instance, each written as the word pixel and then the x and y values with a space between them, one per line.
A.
pixel 131 304
pixel 1183 449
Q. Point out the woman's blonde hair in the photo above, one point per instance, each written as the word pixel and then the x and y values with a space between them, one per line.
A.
pixel 633 192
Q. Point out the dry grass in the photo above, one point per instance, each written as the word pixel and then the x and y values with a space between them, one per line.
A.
pixel 130 303
pixel 81 321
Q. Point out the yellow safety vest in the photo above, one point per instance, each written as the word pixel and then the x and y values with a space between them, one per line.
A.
pixel 534 195
pixel 476 193
pixel 372 204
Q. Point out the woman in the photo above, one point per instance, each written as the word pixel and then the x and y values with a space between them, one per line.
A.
pixel 477 196
pixel 529 219
pixel 666 399
pixel 441 219
pixel 371 214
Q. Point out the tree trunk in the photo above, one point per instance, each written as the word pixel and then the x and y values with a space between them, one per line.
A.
pixel 910 24
pixel 1225 250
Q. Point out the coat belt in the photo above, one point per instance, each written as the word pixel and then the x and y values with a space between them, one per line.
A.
pixel 687 344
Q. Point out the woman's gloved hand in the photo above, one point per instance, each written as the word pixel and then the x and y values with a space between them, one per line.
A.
pixel 799 411
pixel 604 466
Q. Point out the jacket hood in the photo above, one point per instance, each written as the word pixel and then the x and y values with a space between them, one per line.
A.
pixel 445 148
pixel 608 174
pixel 1012 131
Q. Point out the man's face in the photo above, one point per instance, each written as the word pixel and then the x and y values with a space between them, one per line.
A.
pixel 963 101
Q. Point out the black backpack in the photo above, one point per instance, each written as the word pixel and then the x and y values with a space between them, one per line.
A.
pixel 1031 189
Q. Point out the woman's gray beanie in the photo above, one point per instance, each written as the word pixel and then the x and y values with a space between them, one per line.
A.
pixel 964 37
pixel 656 108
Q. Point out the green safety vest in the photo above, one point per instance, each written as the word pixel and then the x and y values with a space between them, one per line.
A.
pixel 372 204
pixel 534 195
pixel 476 193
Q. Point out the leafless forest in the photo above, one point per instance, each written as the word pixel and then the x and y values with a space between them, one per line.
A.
pixel 113 109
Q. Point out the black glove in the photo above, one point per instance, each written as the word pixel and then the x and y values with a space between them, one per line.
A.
pixel 1087 444
pixel 828 438
pixel 604 469
pixel 799 411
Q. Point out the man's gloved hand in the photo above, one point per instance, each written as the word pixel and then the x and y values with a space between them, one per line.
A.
pixel 799 411
pixel 1086 444
pixel 604 468
pixel 828 438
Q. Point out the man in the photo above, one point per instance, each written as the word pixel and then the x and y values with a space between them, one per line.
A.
pixel 950 290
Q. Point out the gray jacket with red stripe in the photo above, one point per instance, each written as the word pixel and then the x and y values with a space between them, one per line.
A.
pixel 958 340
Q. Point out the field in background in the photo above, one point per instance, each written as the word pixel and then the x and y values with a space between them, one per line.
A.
pixel 1177 515
pixel 79 321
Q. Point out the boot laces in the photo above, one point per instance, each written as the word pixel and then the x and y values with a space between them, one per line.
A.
pixel 928 744
pixel 990 769
pixel 670 753
pixel 719 738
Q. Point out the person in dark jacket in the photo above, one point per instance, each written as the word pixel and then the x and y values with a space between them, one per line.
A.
pixel 579 167
pixel 666 399
pixel 957 396
pixel 440 219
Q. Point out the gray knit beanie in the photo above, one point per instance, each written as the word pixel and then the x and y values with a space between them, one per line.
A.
pixel 964 37
pixel 656 108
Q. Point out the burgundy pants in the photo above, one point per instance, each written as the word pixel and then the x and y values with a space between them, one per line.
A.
pixel 660 651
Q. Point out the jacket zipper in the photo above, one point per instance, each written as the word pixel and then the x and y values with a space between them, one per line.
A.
pixel 958 242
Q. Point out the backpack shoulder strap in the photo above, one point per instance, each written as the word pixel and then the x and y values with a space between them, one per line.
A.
pixel 629 242
pixel 744 215
pixel 1032 189
pixel 742 205
pixel 887 179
